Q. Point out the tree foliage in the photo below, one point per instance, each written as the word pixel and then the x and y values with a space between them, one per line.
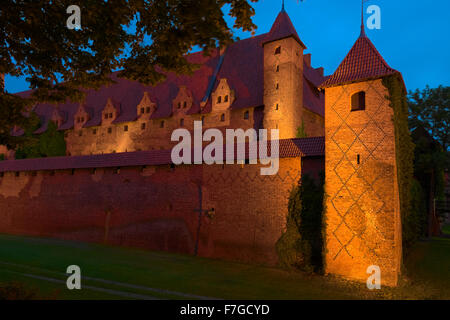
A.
pixel 51 143
pixel 144 39
pixel 430 108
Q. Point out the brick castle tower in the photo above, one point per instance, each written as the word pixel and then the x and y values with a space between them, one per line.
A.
pixel 283 78
pixel 363 225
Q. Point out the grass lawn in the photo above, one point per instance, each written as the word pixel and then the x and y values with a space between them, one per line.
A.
pixel 124 273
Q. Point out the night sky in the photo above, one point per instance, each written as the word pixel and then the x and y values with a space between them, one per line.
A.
pixel 414 36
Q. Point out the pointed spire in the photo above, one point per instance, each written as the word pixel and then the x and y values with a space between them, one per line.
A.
pixel 363 31
pixel 283 28
pixel 362 63
pixel 282 6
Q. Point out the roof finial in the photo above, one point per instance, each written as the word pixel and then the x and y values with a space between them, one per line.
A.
pixel 282 6
pixel 363 31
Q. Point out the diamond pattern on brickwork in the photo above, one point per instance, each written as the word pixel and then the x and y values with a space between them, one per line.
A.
pixel 351 206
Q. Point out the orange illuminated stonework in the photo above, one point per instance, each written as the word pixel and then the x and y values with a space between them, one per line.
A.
pixel 363 225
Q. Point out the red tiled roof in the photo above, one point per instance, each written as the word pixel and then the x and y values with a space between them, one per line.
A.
pixel 307 147
pixel 363 62
pixel 283 28
pixel 242 66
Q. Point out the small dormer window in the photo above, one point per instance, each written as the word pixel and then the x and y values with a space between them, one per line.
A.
pixel 219 99
pixel 226 98
pixel 110 115
pixel 278 50
pixel 359 101
pixel 179 105
pixel 143 126
pixel 147 110
pixel 109 130
pixel 142 110
pixel 125 128
pixel 185 104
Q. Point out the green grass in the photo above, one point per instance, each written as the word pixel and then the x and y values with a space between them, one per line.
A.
pixel 22 256
pixel 446 229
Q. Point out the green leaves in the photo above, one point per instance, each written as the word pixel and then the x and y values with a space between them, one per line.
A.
pixel 430 109
pixel 51 143
pixel 134 36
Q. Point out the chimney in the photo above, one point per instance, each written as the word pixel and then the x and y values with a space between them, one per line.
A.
pixel 307 59
pixel 320 70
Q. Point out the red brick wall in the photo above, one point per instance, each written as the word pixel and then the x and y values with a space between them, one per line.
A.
pixel 154 207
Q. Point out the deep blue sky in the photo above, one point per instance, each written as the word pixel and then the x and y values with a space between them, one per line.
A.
pixel 414 36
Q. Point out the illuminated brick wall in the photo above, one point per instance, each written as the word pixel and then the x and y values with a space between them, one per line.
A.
pixel 362 204
pixel 154 207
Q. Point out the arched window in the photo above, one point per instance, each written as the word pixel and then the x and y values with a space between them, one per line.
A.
pixel 246 115
pixel 222 117
pixel 359 101
pixel 278 50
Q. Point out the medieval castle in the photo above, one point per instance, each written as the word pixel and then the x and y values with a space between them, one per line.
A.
pixel 118 185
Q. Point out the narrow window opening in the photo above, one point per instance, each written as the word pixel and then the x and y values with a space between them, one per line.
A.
pixel 358 159
pixel 125 128
pixel 246 115
pixel 222 117
pixel 359 101
pixel 278 50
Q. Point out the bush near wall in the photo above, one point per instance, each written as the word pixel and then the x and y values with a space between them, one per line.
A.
pixel 301 246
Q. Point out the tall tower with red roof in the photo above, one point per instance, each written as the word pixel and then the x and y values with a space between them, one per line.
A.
pixel 363 224
pixel 283 77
